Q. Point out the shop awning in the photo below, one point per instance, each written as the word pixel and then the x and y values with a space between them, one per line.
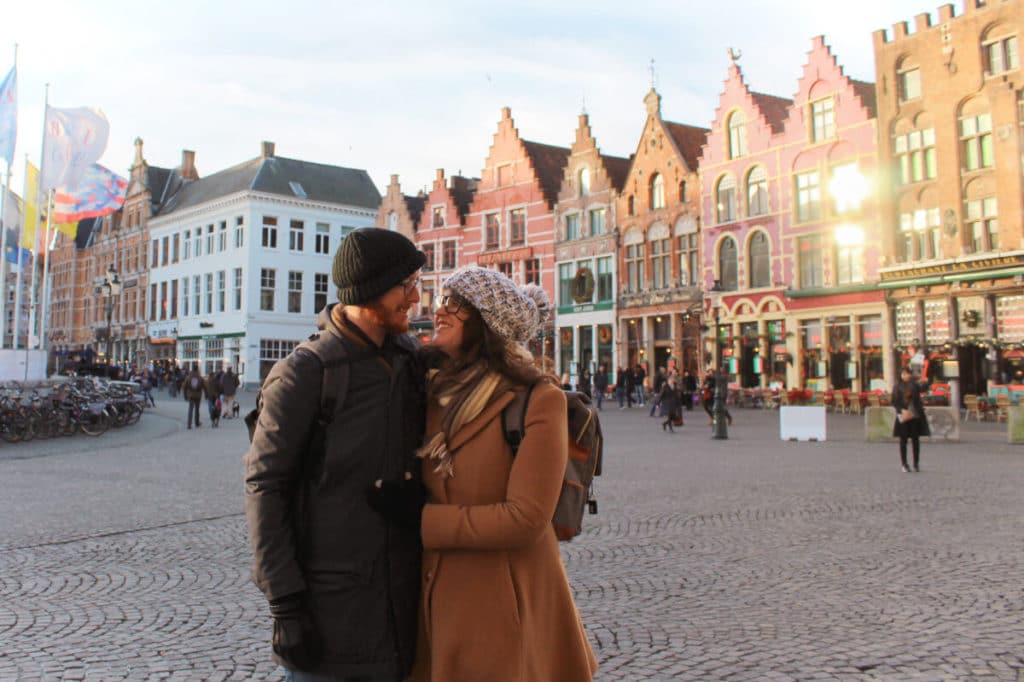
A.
pixel 992 274
pixel 916 282
pixel 161 342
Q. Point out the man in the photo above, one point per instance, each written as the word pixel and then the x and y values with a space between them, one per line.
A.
pixel 600 385
pixel 639 374
pixel 193 390
pixel 229 386
pixel 343 583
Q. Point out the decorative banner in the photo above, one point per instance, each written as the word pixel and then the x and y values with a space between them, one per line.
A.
pixel 100 193
pixel 9 115
pixel 73 140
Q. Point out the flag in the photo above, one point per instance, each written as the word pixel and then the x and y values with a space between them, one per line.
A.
pixel 11 223
pixel 9 115
pixel 14 253
pixel 73 139
pixel 30 215
pixel 100 193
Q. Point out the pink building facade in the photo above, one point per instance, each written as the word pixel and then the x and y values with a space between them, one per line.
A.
pixel 791 234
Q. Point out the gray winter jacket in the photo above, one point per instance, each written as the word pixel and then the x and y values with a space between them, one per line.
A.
pixel 311 528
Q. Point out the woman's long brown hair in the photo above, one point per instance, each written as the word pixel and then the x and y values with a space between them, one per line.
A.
pixel 480 343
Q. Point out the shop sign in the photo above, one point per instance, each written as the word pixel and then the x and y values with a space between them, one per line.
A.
pixel 509 256
pixel 953 268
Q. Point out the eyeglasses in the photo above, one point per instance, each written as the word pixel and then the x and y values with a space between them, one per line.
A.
pixel 452 304
pixel 409 285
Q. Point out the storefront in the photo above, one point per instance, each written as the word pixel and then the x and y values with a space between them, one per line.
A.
pixel 960 320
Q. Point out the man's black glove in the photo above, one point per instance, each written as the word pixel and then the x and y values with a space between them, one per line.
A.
pixel 400 502
pixel 295 638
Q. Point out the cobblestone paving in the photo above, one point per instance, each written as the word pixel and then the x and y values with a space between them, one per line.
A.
pixel 748 559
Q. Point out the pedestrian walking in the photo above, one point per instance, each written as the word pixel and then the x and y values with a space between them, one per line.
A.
pixel 146 384
pixel 229 387
pixel 584 382
pixel 211 391
pixel 639 375
pixel 659 381
pixel 600 385
pixel 689 389
pixel 192 390
pixel 629 384
pixel 911 422
pixel 342 582
pixel 669 399
pixel 492 570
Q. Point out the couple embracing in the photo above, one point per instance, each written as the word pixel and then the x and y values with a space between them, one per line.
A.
pixel 404 540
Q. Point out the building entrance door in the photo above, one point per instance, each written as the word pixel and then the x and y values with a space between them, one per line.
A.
pixel 973 369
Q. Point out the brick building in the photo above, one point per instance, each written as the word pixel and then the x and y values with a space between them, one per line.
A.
pixel 791 237
pixel 511 221
pixel 435 221
pixel 77 321
pixel 585 257
pixel 950 113
pixel 658 226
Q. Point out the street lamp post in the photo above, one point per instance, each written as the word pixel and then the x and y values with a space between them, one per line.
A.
pixel 719 418
pixel 111 288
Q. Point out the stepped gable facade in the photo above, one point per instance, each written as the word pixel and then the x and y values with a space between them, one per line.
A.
pixel 658 225
pixel 585 257
pixel 791 238
pixel 510 225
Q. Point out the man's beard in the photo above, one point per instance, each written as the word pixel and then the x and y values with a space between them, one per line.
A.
pixel 390 320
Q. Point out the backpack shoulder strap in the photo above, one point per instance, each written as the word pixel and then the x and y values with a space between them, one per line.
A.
pixel 334 359
pixel 513 419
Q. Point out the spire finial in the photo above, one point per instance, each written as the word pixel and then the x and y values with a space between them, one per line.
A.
pixel 654 82
pixel 735 54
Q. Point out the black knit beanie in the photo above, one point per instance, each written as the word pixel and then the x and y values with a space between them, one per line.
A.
pixel 370 261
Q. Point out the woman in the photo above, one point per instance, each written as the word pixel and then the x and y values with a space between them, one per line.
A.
pixel 496 603
pixel 910 422
pixel 669 400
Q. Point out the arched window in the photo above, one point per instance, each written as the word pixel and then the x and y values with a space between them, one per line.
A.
pixel 737 135
pixel 725 199
pixel 393 221
pixel 682 191
pixel 727 265
pixel 657 191
pixel 584 181
pixel 760 261
pixel 630 206
pixel 757 191
pixel 1001 50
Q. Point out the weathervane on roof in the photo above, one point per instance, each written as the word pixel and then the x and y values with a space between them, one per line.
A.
pixel 583 97
pixel 654 82
pixel 735 54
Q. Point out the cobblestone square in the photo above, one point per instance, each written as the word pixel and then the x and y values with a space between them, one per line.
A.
pixel 125 557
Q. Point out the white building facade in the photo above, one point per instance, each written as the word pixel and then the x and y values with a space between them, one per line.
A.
pixel 238 278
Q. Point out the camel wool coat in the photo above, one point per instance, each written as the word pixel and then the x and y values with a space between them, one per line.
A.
pixel 495 601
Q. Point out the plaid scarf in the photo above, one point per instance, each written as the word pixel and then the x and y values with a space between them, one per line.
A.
pixel 462 401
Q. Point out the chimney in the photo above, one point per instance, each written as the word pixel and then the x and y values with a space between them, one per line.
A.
pixel 188 165
pixel 267 149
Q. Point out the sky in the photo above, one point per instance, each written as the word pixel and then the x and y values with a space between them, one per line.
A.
pixel 405 87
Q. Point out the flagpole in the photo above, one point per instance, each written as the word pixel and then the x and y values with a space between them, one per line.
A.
pixel 21 270
pixel 46 274
pixel 3 261
pixel 3 243
pixel 33 314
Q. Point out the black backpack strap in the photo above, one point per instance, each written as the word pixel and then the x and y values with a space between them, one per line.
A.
pixel 513 419
pixel 334 360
